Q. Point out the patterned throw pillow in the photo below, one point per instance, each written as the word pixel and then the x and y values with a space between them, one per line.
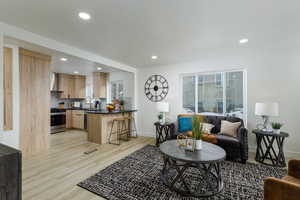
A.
pixel 229 128
pixel 207 127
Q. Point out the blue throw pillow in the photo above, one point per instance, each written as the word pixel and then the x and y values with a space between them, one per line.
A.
pixel 184 124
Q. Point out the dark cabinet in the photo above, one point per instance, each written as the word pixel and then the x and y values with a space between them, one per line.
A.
pixel 10 173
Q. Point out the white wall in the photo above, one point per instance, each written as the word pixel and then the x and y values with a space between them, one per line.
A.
pixel 272 75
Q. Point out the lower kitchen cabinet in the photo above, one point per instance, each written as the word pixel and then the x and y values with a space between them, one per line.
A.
pixel 75 119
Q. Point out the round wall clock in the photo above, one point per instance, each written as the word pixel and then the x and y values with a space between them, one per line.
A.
pixel 156 88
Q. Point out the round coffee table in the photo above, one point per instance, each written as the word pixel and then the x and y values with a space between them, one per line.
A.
pixel 195 173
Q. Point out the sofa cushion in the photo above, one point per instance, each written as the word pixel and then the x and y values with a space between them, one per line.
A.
pixel 229 128
pixel 208 127
pixel 224 139
pixel 184 124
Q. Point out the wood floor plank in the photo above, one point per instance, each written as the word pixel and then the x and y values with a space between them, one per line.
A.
pixel 54 174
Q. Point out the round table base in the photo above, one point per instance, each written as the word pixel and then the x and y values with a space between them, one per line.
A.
pixel 208 174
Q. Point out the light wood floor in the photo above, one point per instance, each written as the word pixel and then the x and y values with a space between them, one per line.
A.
pixel 53 175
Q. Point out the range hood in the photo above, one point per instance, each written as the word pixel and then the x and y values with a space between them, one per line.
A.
pixel 54 82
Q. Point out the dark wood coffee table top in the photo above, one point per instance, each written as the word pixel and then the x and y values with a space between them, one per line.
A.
pixel 208 153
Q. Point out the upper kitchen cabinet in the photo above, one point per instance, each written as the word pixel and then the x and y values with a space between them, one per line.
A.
pixel 100 84
pixel 80 87
pixel 72 86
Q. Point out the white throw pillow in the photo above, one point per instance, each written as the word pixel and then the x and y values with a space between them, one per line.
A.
pixel 207 127
pixel 229 128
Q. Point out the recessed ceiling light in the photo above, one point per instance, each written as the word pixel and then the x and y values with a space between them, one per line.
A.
pixel 154 57
pixel 64 59
pixel 84 16
pixel 243 41
pixel 99 68
pixel 76 72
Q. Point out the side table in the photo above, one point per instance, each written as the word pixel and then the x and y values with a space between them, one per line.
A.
pixel 266 141
pixel 164 131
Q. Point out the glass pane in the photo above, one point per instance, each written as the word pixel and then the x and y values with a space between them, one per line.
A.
pixel 210 93
pixel 189 93
pixel 234 94
pixel 121 91
pixel 113 91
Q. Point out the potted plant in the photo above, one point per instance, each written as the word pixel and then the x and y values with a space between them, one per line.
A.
pixel 122 104
pixel 160 117
pixel 276 127
pixel 197 131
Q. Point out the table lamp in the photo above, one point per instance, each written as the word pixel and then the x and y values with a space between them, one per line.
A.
pixel 265 110
pixel 163 107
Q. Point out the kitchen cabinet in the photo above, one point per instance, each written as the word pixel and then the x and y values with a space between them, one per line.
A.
pixel 72 86
pixel 79 87
pixel 69 119
pixel 100 84
pixel 78 119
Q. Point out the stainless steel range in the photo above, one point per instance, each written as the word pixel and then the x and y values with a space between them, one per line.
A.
pixel 58 120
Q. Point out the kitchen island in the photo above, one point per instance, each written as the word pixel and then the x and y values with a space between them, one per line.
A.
pixel 99 124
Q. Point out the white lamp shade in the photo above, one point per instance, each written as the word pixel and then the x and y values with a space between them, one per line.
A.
pixel 162 107
pixel 267 109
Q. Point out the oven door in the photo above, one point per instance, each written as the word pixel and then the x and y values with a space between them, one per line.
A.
pixel 58 122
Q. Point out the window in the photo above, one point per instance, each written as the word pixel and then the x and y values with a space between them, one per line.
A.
pixel 220 93
pixel 117 90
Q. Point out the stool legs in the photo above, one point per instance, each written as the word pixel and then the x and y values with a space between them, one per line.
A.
pixel 121 130
pixel 133 130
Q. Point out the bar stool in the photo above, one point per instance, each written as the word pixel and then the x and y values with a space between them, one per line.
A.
pixel 132 127
pixel 121 130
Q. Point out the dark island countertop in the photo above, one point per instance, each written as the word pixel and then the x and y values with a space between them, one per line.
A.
pixel 106 112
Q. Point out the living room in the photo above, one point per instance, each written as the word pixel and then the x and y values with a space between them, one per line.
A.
pixel 215 103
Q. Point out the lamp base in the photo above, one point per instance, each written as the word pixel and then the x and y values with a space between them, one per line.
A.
pixel 265 126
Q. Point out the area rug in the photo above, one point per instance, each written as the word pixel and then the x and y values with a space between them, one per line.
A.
pixel 137 177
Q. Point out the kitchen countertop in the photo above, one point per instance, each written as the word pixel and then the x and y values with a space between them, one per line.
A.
pixel 113 112
pixel 96 111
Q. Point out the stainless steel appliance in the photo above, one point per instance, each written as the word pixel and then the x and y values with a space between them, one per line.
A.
pixel 58 120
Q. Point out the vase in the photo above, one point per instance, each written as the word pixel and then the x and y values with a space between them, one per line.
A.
pixel 277 131
pixel 198 145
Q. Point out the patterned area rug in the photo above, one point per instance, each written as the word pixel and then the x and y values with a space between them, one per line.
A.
pixel 137 177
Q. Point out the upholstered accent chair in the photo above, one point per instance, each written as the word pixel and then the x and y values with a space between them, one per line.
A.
pixel 236 147
pixel 287 188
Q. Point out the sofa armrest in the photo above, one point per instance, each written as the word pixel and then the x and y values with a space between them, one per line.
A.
pixel 277 189
pixel 242 135
pixel 294 168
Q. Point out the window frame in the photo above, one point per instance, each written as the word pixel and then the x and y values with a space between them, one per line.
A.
pixel 196 75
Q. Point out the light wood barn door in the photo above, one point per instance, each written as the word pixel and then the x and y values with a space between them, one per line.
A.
pixel 34 102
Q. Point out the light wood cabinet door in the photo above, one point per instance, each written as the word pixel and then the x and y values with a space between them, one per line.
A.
pixel 69 119
pixel 79 87
pixel 63 85
pixel 72 86
pixel 99 84
pixel 78 119
pixel 8 88
pixel 34 101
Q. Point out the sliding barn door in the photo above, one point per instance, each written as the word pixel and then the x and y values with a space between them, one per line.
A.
pixel 34 102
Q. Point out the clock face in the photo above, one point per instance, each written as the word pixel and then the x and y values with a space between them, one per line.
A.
pixel 156 88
